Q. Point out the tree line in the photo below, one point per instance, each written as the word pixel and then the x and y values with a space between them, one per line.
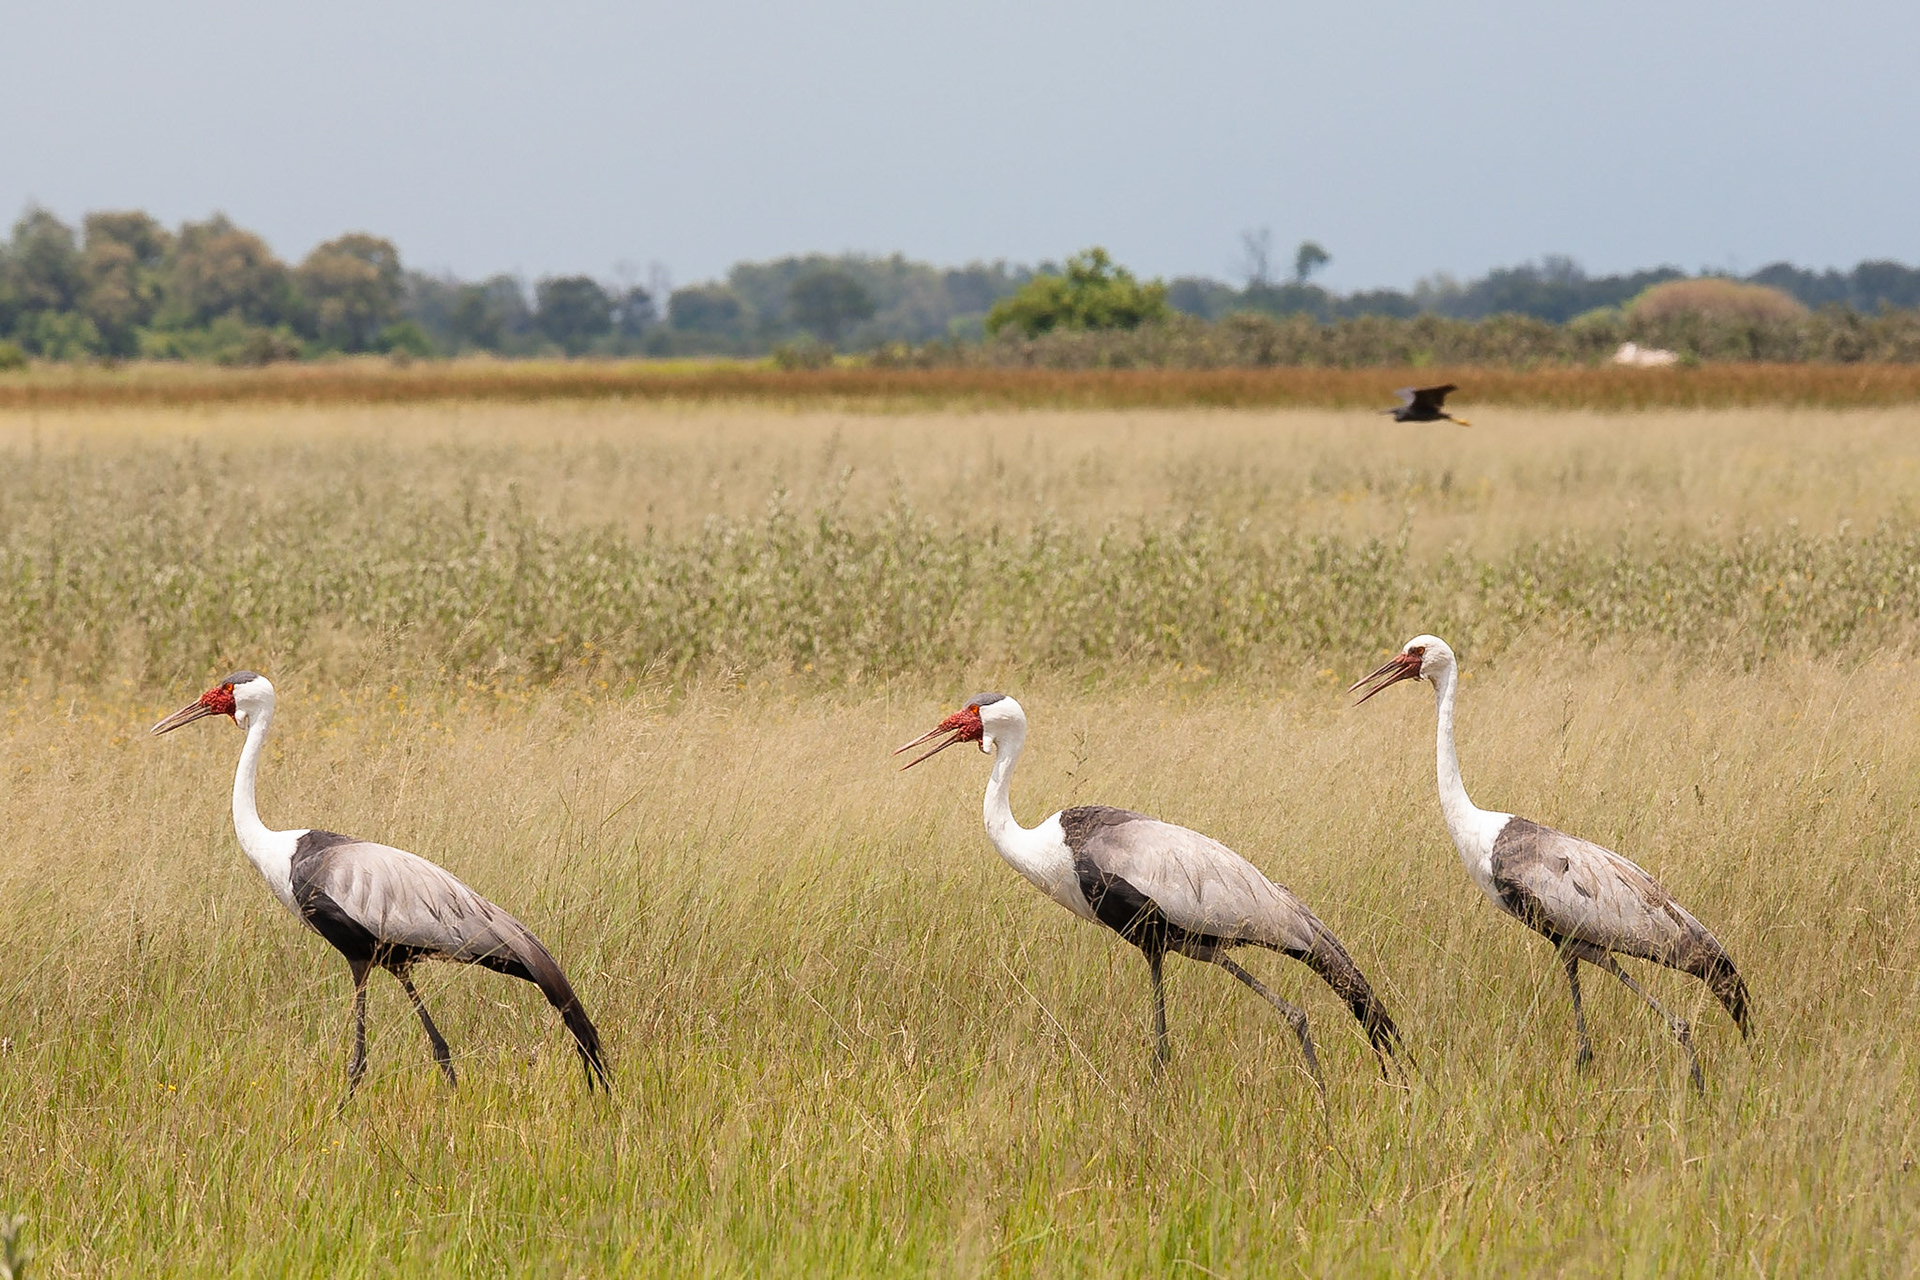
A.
pixel 123 286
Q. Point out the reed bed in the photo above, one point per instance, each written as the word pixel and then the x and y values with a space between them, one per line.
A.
pixel 895 389
pixel 439 589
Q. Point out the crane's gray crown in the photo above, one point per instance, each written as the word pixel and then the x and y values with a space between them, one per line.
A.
pixel 241 677
pixel 985 699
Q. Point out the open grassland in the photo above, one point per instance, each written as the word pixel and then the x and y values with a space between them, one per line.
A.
pixel 847 1039
pixel 873 388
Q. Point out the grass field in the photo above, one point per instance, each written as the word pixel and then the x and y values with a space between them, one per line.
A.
pixel 847 1039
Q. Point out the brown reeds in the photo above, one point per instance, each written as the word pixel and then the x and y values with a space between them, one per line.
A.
pixel 1716 386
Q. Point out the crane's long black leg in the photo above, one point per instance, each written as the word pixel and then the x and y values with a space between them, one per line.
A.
pixel 441 1054
pixel 1584 1058
pixel 357 1062
pixel 1160 1050
pixel 1681 1031
pixel 1294 1015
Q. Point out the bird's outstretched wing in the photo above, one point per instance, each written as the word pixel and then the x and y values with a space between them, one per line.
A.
pixel 1573 889
pixel 1433 398
pixel 1407 396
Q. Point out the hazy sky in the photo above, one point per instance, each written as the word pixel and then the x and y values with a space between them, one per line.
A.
pixel 1407 137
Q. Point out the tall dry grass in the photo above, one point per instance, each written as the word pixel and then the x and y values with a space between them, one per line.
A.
pixel 847 1039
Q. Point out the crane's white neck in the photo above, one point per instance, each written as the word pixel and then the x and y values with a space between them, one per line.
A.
pixel 1473 829
pixel 271 852
pixel 998 806
pixel 1453 792
pixel 1040 854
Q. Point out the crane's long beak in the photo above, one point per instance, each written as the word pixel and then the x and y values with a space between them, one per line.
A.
pixel 1462 422
pixel 185 715
pixel 928 736
pixel 964 725
pixel 1403 666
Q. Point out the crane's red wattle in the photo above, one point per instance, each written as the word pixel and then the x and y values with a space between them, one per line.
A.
pixel 965 723
pixel 219 701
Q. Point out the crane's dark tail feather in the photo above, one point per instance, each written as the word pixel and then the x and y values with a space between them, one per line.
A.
pixel 1715 968
pixel 1330 960
pixel 536 964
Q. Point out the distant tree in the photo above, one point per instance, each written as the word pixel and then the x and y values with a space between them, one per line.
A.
pixel 572 311
pixel 713 309
pixel 217 269
pixel 826 302
pixel 1256 257
pixel 44 263
pixel 353 286
pixel 1094 293
pixel 1201 296
pixel 1377 302
pixel 976 287
pixel 474 320
pixel 122 267
pixel 490 316
pixel 1290 299
pixel 1555 288
pixel 633 312
pixel 1307 259
pixel 1876 284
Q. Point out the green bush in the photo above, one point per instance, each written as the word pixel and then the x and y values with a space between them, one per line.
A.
pixel 11 357
pixel 228 340
pixel 802 353
pixel 1094 294
pixel 405 338
pixel 61 335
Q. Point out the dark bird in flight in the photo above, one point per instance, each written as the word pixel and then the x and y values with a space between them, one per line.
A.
pixel 380 907
pixel 1424 404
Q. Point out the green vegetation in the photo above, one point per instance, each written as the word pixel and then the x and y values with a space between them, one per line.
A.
pixel 1093 294
pixel 124 287
pixel 1248 340
pixel 132 579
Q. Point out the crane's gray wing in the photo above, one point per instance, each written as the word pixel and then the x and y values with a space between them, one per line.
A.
pixel 1200 886
pixel 1407 396
pixel 389 905
pixel 401 901
pixel 1165 887
pixel 1572 888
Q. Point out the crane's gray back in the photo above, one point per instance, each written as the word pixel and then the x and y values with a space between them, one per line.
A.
pixel 1563 885
pixel 1200 885
pixel 402 899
